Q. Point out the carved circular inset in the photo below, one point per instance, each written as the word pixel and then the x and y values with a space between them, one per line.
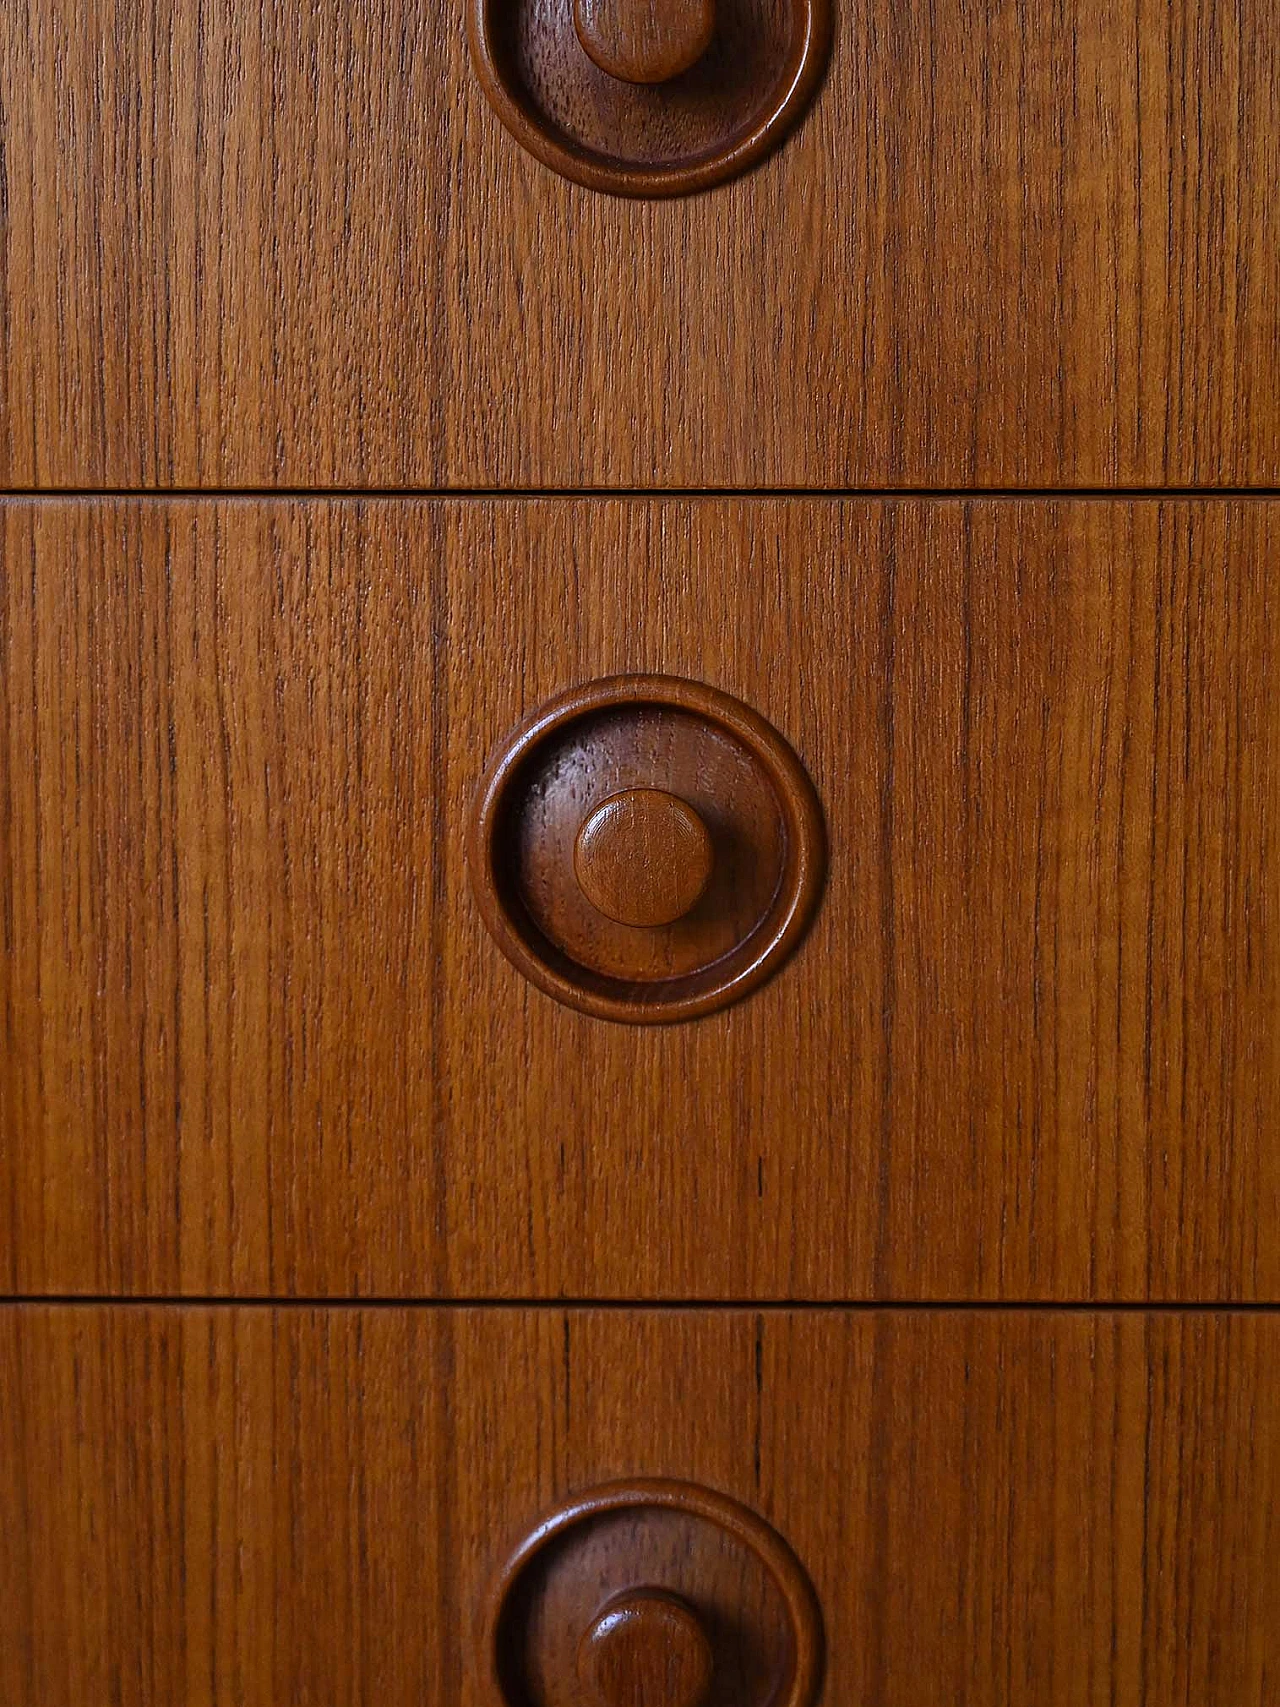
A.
pixel 643 857
pixel 654 1592
pixel 649 97
pixel 646 849
pixel 646 1646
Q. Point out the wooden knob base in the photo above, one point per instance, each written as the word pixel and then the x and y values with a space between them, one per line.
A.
pixel 646 1647
pixel 654 1594
pixel 646 849
pixel 645 41
pixel 643 858
pixel 649 97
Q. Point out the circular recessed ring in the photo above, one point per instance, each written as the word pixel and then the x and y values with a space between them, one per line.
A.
pixel 801 1685
pixel 766 818
pixel 724 135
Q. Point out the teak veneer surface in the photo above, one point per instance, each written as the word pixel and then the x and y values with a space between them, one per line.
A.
pixel 278 244
pixel 309 1506
pixel 255 1040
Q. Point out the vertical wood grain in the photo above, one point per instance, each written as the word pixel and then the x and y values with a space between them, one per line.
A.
pixel 257 1041
pixel 254 246
pixel 251 1506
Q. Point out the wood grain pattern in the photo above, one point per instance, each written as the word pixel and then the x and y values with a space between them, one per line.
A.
pixel 643 858
pixel 572 755
pixel 732 1591
pixel 645 41
pixel 596 124
pixel 1010 245
pixel 235 1508
pixel 647 1647
pixel 255 1039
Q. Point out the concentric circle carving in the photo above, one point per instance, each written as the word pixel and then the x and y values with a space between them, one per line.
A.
pixel 649 97
pixel 648 1591
pixel 646 849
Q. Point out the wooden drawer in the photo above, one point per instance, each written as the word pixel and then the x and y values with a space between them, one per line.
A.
pixel 241 1506
pixel 284 245
pixel 257 1040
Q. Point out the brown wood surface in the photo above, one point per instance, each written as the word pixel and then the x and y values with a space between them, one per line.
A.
pixel 645 1647
pixel 645 41
pixel 643 858
pixel 1010 244
pixel 239 1507
pixel 524 852
pixel 592 123
pixel 255 1039
pixel 743 1597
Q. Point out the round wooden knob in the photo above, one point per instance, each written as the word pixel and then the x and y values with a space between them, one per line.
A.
pixel 646 1649
pixel 645 41
pixel 643 857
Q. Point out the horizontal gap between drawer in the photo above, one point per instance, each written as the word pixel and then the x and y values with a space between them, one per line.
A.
pixel 760 1306
pixel 647 494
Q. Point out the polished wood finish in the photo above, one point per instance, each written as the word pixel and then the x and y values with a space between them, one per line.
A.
pixel 643 857
pixel 645 41
pixel 237 1505
pixel 646 1647
pixel 624 941
pixel 255 1038
pixel 1009 245
pixel 617 117
pixel 740 1617
pixel 335 828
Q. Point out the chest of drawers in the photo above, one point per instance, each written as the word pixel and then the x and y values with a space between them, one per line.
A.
pixel 639 890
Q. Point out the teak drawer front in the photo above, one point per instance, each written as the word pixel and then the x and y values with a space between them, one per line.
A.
pixel 292 245
pixel 256 1039
pixel 241 1507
